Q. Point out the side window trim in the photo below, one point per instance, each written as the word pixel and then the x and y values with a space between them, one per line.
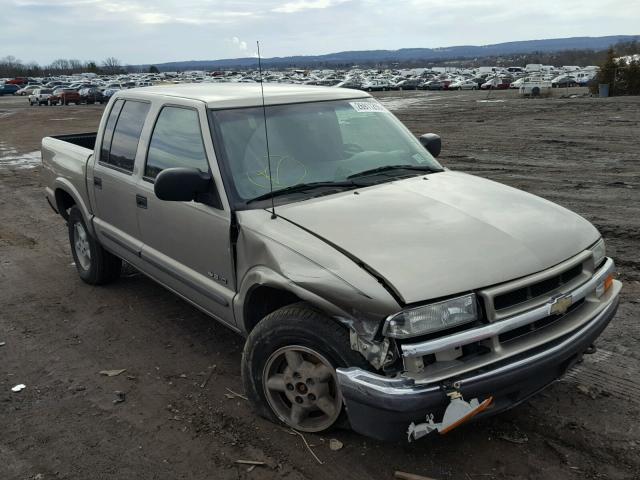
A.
pixel 119 104
pixel 152 180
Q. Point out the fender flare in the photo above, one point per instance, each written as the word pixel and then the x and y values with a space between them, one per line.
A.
pixel 66 186
pixel 262 276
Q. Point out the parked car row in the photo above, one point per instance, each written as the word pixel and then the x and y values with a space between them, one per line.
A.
pixel 102 87
pixel 65 92
pixel 66 96
pixel 428 80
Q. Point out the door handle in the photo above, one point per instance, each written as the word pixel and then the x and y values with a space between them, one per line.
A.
pixel 97 181
pixel 141 202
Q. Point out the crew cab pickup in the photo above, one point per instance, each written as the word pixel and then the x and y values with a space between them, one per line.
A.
pixel 371 283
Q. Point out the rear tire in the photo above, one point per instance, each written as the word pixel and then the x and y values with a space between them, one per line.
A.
pixel 95 265
pixel 288 368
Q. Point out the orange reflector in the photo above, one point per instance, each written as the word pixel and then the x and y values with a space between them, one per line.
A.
pixel 480 408
pixel 608 282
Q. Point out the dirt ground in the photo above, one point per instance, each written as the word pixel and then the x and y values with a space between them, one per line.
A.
pixel 58 333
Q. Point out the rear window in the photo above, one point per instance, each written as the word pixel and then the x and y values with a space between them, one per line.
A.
pixel 120 144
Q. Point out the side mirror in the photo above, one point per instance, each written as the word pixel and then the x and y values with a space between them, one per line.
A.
pixel 182 184
pixel 432 143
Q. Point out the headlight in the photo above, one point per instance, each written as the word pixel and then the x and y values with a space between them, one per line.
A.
pixel 432 318
pixel 599 252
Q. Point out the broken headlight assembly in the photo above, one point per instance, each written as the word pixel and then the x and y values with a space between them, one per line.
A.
pixel 599 251
pixel 432 318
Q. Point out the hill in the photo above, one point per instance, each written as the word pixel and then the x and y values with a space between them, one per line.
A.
pixel 406 55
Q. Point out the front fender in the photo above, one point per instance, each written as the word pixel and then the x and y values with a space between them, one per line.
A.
pixel 278 254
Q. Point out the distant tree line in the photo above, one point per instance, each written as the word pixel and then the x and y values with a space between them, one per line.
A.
pixel 582 57
pixel 10 66
pixel 560 58
pixel 623 77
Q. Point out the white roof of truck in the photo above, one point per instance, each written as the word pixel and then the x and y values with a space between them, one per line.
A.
pixel 234 95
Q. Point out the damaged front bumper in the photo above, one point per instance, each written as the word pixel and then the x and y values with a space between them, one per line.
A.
pixel 383 407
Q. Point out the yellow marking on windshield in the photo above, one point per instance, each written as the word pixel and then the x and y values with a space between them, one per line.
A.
pixel 264 173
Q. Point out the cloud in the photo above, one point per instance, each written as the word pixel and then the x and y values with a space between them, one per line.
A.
pixel 54 3
pixel 154 18
pixel 145 31
pixel 300 5
pixel 160 12
pixel 242 45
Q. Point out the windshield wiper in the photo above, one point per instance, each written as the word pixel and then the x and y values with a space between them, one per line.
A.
pixel 386 168
pixel 302 187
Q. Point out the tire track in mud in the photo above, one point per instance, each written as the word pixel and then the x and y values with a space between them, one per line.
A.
pixel 604 373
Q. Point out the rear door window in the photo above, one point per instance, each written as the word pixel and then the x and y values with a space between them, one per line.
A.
pixel 123 144
pixel 176 142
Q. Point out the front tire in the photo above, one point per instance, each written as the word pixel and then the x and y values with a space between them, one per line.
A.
pixel 95 265
pixel 289 368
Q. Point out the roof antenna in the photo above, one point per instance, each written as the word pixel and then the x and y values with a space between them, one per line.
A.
pixel 266 134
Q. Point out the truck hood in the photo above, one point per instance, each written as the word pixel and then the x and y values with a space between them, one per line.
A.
pixel 445 233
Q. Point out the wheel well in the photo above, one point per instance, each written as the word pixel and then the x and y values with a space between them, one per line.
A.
pixel 64 202
pixel 262 301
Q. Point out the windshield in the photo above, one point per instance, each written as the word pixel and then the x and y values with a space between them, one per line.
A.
pixel 310 143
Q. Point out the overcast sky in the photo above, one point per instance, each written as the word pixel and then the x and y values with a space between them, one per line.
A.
pixel 154 31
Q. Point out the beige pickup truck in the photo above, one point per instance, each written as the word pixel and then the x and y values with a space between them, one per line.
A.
pixel 374 287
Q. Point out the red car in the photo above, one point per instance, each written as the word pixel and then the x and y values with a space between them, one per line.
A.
pixel 496 83
pixel 64 96
pixel 18 81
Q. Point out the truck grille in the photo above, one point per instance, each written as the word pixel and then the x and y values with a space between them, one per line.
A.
pixel 535 326
pixel 537 289
pixel 514 297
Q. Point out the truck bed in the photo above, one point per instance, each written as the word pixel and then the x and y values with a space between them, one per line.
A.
pixel 86 140
pixel 64 165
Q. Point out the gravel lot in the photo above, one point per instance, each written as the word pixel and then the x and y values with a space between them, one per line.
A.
pixel 58 333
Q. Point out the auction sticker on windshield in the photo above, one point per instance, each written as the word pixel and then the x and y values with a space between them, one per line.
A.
pixel 366 107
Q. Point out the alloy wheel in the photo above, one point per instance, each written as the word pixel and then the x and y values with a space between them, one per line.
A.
pixel 81 246
pixel 302 389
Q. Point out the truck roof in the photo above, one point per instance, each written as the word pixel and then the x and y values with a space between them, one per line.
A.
pixel 234 95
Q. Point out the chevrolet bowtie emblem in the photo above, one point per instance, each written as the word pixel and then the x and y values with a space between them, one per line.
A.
pixel 560 305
